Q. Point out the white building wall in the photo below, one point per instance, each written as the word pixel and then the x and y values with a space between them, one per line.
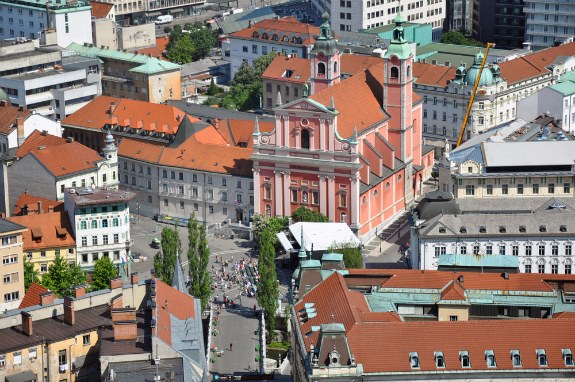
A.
pixel 73 27
pixel 563 260
pixel 105 176
pixel 32 123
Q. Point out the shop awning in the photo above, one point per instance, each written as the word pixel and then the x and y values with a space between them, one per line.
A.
pixel 25 376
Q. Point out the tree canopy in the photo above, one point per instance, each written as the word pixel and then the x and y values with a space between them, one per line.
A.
pixel 304 214
pixel 268 288
pixel 190 44
pixel 165 261
pixel 459 38
pixel 246 89
pixel 62 277
pixel 104 271
pixel 30 274
pixel 198 260
pixel 352 257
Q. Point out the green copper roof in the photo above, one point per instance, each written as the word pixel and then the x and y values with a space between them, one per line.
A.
pixel 55 6
pixel 148 65
pixel 486 261
pixel 398 46
pixel 310 264
pixel 332 257
pixel 566 84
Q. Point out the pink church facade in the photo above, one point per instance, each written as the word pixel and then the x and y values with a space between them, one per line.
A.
pixel 352 149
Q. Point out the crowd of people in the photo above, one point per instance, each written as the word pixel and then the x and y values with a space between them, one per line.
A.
pixel 229 274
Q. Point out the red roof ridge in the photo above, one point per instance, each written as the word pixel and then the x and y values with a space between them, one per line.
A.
pixel 453 291
pixel 32 296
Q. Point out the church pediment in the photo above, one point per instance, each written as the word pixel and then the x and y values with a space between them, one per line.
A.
pixel 305 104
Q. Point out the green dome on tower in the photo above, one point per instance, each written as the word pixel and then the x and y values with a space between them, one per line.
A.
pixel 325 42
pixel 486 78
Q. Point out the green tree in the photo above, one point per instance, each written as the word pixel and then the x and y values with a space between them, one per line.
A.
pixel 352 257
pixel 30 274
pixel 268 287
pixel 198 259
pixel 171 247
pixel 204 40
pixel 272 225
pixel 193 258
pixel 304 214
pixel 61 277
pixel 213 89
pixel 104 271
pixel 182 51
pixel 459 38
pixel 246 89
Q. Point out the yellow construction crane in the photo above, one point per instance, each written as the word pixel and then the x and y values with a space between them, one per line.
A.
pixel 464 123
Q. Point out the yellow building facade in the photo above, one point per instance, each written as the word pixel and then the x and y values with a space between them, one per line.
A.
pixel 12 265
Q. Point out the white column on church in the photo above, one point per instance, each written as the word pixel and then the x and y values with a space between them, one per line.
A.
pixel 331 197
pixel 257 188
pixel 278 192
pixel 287 194
pixel 354 218
pixel 286 131
pixel 323 194
pixel 322 134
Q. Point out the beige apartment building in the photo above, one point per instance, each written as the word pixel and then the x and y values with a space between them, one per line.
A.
pixel 11 253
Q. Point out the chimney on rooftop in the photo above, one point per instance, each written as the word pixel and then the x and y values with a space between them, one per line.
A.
pixel 80 290
pixel 460 278
pixel 125 324
pixel 3 103
pixel 51 209
pixel 505 275
pixel 47 298
pixel 40 210
pixel 69 314
pixel 117 302
pixel 20 131
pixel 116 283
pixel 134 278
pixel 26 323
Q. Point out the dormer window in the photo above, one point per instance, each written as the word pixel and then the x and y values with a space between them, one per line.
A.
pixel 463 230
pixel 275 37
pixel 285 39
pixel 265 36
pixel 255 35
pixel 439 360
pixel 482 229
pixel 522 229
pixel 414 360
pixel 515 358
pixel 542 228
pixel 490 358
pixel 568 357
pixel 541 358
pixel 442 230
pixel 563 228
pixel 502 229
pixel 464 357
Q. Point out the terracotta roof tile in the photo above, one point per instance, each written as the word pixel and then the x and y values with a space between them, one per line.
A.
pixel 429 74
pixel 100 10
pixel 31 203
pixel 144 151
pixel 242 129
pixel 453 292
pixel 96 114
pixel 55 228
pixel 475 337
pixel 363 110
pixel 158 49
pixel 32 296
pixel 300 67
pixel 171 302
pixel 482 281
pixel 355 63
pixel 534 64
pixel 286 26
pixel 8 115
pixel 37 139
pixel 67 159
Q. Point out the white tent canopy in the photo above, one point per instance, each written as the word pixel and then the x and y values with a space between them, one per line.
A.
pixel 323 235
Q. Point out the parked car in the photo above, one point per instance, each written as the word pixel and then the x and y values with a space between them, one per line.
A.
pixel 164 19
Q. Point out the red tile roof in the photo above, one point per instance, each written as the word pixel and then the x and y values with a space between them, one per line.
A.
pixel 286 26
pixel 300 68
pixel 453 292
pixel 429 74
pixel 54 227
pixel 171 302
pixel 8 115
pixel 362 111
pixel 355 63
pixel 32 296
pixel 382 343
pixel 37 139
pixel 427 337
pixel 31 203
pixel 534 64
pixel 158 49
pixel 100 10
pixel 471 280
pixel 127 112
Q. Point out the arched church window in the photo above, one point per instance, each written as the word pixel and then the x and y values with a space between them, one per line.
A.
pixel 321 69
pixel 268 211
pixel 408 72
pixel 305 139
pixel 335 67
pixel 394 73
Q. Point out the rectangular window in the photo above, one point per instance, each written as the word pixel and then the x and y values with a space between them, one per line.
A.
pixel 567 188
pixel 239 184
pixel 224 182
pixel 294 195
pixel 568 249
pixel 62 358
pixel 542 250
pixel 182 205
pixel 440 250
pixel 210 180
pixel 528 250
pixel 196 207
pixel 541 268
pixel 504 189
pixel 105 239
pixel 554 269
pixel 469 190
pixel 181 190
pixel 194 177
pixel 224 196
pixel 527 268
pixel 489 249
pixel 520 189
pixel 502 249
pixel 116 238
pixel 551 188
pixel 210 209
pixel 84 241
pixel 489 189
pixel 567 269
pixel 94 240
pixel 555 250
pixel 535 188
pixel 515 250
pixel 12 296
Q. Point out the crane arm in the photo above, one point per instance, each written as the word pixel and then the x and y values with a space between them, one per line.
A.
pixel 470 104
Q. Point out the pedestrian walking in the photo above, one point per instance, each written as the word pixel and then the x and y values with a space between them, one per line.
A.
pixel 231 346
pixel 255 310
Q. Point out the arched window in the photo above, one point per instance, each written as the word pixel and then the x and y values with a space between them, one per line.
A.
pixel 255 35
pixel 299 40
pixel 265 36
pixel 285 39
pixel 335 67
pixel 268 211
pixel 321 69
pixel 408 72
pixel 394 73
pixel 275 37
pixel 305 139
